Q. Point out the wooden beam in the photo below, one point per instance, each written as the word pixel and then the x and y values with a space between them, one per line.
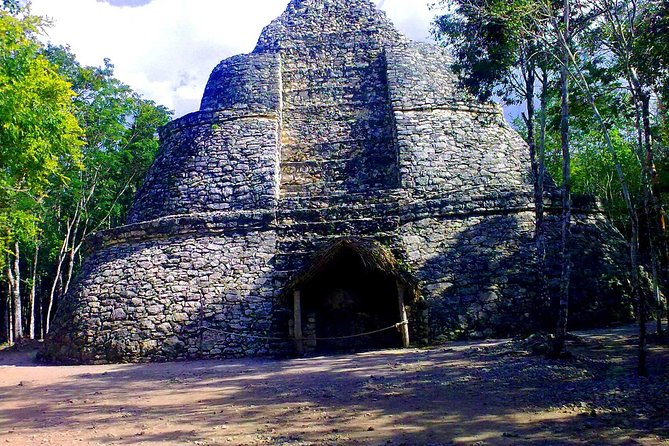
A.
pixel 297 326
pixel 404 328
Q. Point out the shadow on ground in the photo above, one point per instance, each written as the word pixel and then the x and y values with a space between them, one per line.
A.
pixel 462 393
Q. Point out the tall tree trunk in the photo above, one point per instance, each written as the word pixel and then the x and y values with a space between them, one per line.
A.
pixel 62 254
pixel 40 307
pixel 637 291
pixel 638 94
pixel 70 267
pixel 536 159
pixel 657 216
pixel 646 161
pixel 653 211
pixel 8 305
pixel 563 307
pixel 654 234
pixel 33 292
pixel 539 197
pixel 16 294
pixel 530 79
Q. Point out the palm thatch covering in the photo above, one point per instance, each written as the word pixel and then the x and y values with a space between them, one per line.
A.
pixel 374 257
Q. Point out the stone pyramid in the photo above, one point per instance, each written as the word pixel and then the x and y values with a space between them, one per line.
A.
pixel 336 181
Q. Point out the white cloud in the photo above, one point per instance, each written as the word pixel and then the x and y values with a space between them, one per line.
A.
pixel 166 49
pixel 412 17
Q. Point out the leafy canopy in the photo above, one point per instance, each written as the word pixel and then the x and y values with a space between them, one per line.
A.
pixel 488 38
pixel 39 133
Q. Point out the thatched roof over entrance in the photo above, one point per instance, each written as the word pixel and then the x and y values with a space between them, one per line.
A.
pixel 374 257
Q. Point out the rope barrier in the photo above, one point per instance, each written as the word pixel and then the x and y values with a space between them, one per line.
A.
pixel 242 335
pixel 332 338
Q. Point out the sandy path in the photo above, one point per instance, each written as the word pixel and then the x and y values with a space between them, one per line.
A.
pixel 458 394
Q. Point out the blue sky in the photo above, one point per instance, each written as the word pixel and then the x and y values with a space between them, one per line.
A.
pixel 166 49
pixel 130 3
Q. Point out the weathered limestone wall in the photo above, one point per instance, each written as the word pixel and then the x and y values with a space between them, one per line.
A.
pixel 212 162
pixel 337 131
pixel 250 83
pixel 476 273
pixel 600 277
pixel 417 79
pixel 153 296
pixel 446 142
pixel 468 235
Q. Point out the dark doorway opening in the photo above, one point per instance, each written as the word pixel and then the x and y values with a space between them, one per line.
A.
pixel 347 300
pixel 350 299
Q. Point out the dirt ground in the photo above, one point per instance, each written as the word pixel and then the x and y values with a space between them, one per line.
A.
pixel 488 393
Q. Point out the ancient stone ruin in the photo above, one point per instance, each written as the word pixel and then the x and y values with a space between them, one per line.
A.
pixel 335 182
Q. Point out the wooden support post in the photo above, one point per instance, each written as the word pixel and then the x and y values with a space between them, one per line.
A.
pixel 404 328
pixel 297 318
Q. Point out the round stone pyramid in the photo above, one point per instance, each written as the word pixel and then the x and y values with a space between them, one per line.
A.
pixel 336 181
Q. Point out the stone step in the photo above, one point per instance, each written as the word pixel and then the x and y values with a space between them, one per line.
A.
pixel 353 227
pixel 343 198
pixel 333 96
pixel 338 213
pixel 287 245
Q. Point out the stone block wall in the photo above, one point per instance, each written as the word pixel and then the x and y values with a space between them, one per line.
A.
pixel 476 273
pixel 212 162
pixel 337 133
pixel 445 150
pixel 417 80
pixel 446 142
pixel 600 286
pixel 249 82
pixel 158 298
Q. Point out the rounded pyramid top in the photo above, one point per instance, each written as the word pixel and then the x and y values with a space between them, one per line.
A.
pixel 312 19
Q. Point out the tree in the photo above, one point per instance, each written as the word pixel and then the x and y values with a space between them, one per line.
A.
pixel 10 6
pixel 485 23
pixel 619 33
pixel 70 167
pixel 119 147
pixel 503 47
pixel 565 276
pixel 497 52
pixel 648 69
pixel 39 141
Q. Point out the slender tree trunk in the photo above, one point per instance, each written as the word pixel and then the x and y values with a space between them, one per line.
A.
pixel 33 293
pixel 529 120
pixel 657 216
pixel 8 306
pixel 637 291
pixel 642 309
pixel 651 209
pixel 70 268
pixel 653 235
pixel 57 277
pixel 539 197
pixel 536 159
pixel 52 298
pixel 16 294
pixel 563 307
pixel 641 298
pixel 40 308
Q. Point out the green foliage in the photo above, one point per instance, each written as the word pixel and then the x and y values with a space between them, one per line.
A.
pixel 492 39
pixel 592 166
pixel 10 6
pixel 75 145
pixel 39 134
pixel 120 144
pixel 651 46
pixel 489 38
